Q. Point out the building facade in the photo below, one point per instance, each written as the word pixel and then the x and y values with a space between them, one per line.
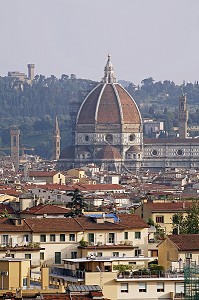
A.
pixel 109 133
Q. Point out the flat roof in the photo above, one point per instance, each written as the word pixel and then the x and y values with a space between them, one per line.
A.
pixel 13 259
pixel 108 259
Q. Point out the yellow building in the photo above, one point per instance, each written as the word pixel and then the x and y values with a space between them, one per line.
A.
pixel 15 273
pixel 48 176
pixel 162 213
pixel 79 173
pixel 177 251
pixel 108 234
pixel 127 285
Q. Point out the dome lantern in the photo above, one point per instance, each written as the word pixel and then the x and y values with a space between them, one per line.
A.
pixel 109 76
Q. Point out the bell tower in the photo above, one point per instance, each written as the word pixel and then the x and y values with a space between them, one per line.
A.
pixel 56 141
pixel 183 117
pixel 14 133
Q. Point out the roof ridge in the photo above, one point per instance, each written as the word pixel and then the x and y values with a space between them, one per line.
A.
pixel 25 220
pixel 79 223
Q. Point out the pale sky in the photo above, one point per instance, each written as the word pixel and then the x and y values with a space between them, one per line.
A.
pixel 146 38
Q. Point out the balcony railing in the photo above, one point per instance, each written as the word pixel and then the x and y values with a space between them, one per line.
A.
pixel 79 274
pixel 150 274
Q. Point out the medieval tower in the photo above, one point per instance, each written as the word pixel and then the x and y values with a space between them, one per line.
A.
pixel 31 68
pixel 56 141
pixel 183 117
pixel 15 132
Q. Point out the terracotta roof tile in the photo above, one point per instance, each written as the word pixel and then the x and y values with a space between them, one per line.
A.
pixel 168 206
pixel 87 113
pixel 132 221
pixel 4 207
pixel 45 209
pixel 7 225
pixel 130 111
pixel 108 152
pixel 186 242
pixel 54 225
pixel 114 105
pixel 99 187
pixel 108 103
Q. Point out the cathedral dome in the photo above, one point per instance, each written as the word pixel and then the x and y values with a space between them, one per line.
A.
pixel 109 103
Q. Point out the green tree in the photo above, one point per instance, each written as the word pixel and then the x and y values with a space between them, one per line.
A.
pixel 188 224
pixel 5 214
pixel 77 204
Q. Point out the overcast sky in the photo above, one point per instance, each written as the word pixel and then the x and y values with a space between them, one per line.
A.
pixel 145 38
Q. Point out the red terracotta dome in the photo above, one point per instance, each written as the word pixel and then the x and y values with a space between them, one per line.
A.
pixel 109 103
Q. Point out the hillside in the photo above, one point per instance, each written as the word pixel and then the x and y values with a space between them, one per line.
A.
pixel 33 107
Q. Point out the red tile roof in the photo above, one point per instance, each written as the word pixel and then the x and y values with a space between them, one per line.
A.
pixel 109 104
pixel 108 152
pixel 132 221
pixel 186 242
pixel 4 207
pixel 7 225
pixel 46 209
pixel 99 187
pixel 53 225
pixel 168 206
pixel 10 192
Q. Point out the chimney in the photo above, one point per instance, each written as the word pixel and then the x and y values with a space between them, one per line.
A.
pixel 44 278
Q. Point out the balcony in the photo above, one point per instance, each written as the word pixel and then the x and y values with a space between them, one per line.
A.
pixel 150 274
pixel 67 274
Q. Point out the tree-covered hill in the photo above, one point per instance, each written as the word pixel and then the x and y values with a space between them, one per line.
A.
pixel 33 107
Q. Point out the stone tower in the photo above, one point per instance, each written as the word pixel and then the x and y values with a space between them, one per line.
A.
pixel 31 68
pixel 183 117
pixel 15 132
pixel 56 141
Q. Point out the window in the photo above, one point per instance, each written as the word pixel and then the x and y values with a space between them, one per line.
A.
pixel 138 235
pixel 25 282
pixel 5 239
pixel 131 137
pixel 126 235
pixel 116 254
pixel 111 238
pixel 26 238
pixel 160 286
pixel 179 289
pixel 62 237
pixel 41 255
pixel 160 219
pixel 138 252
pixel 109 138
pixel 52 237
pixel 124 287
pixel 42 238
pixel 86 138
pixel 188 255
pixel 74 254
pixel 91 238
pixel 28 256
pixel 142 287
pixel 72 237
pixel 57 257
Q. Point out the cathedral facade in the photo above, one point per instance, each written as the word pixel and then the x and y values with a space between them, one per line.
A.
pixel 109 133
